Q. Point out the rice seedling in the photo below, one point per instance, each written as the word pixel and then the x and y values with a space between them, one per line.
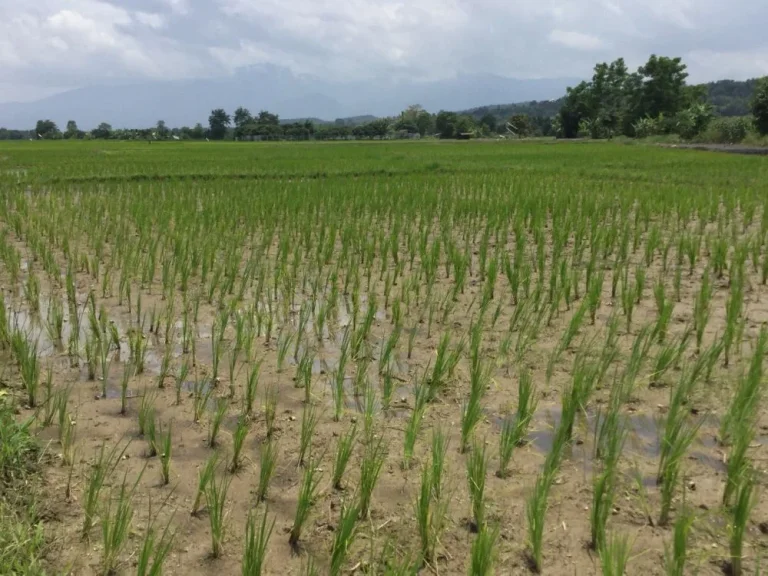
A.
pixel 472 410
pixel 370 408
pixel 535 511
pixel 439 452
pixel 128 372
pixel 165 453
pixel 268 454
pixel 67 432
pixel 202 392
pixel 614 555
pixel 217 417
pixel 307 496
pixel 54 324
pixel 344 538
pixel 29 365
pixel 283 345
pixel 483 554
pixel 745 501
pixel 309 419
pixel 745 403
pixel 678 435
pixel 256 542
pixel 733 309
pixel 477 467
pixel 270 409
pixel 204 477
pixel 216 499
pixel 604 484
pixel 251 388
pixel 115 525
pixel 51 399
pixel 344 448
pixel 675 556
pixel 101 470
pixel 180 378
pixel 154 551
pixel 412 429
pixel 146 411
pixel 370 468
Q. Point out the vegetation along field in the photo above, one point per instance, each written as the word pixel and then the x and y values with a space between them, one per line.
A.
pixel 383 358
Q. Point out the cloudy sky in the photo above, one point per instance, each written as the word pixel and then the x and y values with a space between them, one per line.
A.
pixel 51 45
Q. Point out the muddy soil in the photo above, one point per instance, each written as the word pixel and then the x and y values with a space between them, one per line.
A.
pixel 98 421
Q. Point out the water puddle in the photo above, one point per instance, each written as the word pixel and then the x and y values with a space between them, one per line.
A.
pixel 643 437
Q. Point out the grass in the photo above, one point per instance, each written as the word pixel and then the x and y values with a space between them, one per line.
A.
pixel 22 538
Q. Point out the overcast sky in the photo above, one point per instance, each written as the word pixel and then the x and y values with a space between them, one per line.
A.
pixel 51 45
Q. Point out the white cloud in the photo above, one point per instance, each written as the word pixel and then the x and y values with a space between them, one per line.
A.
pixel 66 42
pixel 156 21
pixel 576 40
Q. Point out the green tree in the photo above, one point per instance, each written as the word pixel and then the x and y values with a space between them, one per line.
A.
pixel 489 122
pixel 521 125
pixel 268 118
pixel 759 105
pixel 663 86
pixel 161 130
pixel 425 122
pixel 103 131
pixel 47 129
pixel 198 132
pixel 72 131
pixel 241 119
pixel 445 124
pixel 218 122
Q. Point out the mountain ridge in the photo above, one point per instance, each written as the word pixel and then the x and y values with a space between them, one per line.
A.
pixel 186 102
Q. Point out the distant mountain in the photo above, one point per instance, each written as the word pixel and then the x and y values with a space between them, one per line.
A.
pixel 544 109
pixel 731 97
pixel 185 102
pixel 350 121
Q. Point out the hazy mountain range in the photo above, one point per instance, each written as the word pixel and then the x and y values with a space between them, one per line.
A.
pixel 185 102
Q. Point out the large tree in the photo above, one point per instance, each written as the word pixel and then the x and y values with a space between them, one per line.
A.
pixel 241 119
pixel 760 105
pixel 47 129
pixel 218 122
pixel 104 131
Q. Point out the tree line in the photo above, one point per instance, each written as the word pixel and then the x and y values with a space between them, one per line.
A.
pixel 653 100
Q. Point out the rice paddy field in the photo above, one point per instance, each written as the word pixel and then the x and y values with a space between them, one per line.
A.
pixel 389 358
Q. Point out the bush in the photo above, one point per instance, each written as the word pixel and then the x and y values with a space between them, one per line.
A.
pixel 21 533
pixel 726 131
pixel 760 106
